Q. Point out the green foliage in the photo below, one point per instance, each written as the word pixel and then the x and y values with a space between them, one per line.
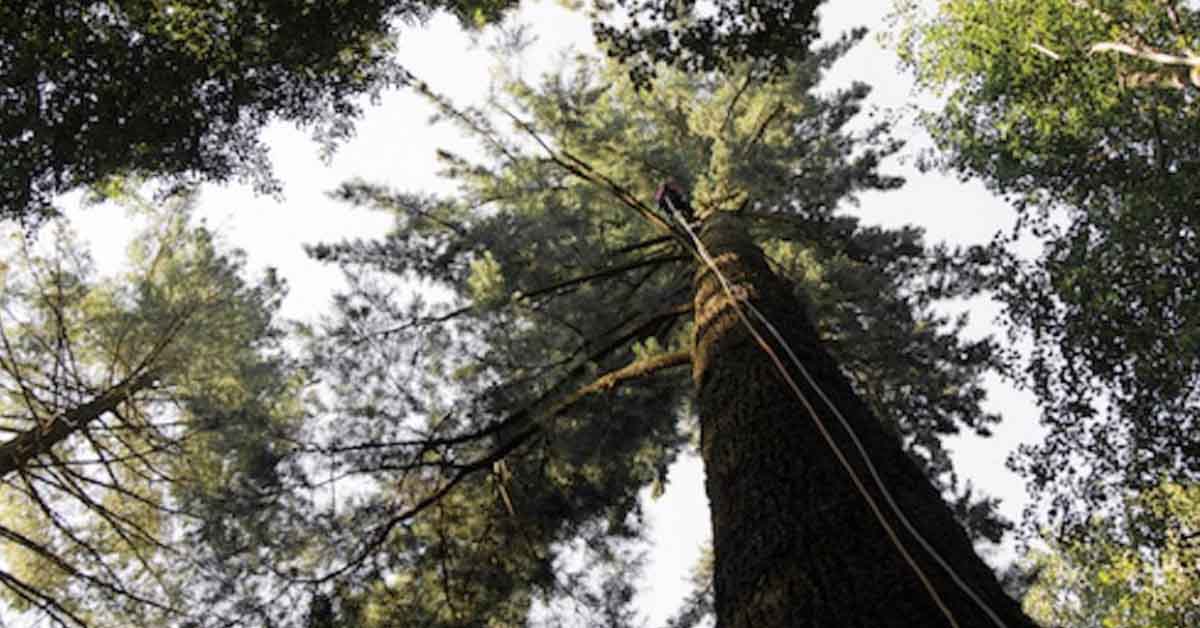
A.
pixel 97 90
pixel 1139 575
pixel 768 34
pixel 1048 129
pixel 538 392
pixel 1100 163
pixel 125 514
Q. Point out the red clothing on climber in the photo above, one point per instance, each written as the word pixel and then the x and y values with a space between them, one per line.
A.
pixel 670 199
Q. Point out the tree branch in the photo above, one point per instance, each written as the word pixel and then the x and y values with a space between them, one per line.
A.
pixel 16 453
pixel 585 171
pixel 534 426
pixel 612 379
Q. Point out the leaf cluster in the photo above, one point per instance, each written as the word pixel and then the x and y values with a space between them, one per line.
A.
pixel 706 37
pixel 1139 574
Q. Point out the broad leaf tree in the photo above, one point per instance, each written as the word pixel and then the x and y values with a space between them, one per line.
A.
pixel 1139 571
pixel 1095 146
pixel 511 364
pixel 702 37
pixel 142 419
pixel 94 91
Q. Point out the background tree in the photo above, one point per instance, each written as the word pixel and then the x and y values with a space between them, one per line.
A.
pixel 1115 580
pixel 712 36
pixel 1099 163
pixel 142 416
pixel 525 407
pixel 94 91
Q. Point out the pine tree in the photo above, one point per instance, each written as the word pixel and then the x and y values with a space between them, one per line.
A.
pixel 505 368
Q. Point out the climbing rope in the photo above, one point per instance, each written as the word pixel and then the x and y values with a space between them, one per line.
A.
pixel 669 200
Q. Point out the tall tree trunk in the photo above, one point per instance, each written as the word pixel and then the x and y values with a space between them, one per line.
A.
pixel 796 543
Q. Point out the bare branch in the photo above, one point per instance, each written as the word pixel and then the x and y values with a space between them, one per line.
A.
pixel 16 453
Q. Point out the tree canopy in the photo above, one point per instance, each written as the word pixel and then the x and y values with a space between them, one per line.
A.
pixel 471 429
pixel 94 91
pixel 702 37
pixel 1060 106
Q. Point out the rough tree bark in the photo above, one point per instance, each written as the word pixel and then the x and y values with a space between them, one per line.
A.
pixel 795 541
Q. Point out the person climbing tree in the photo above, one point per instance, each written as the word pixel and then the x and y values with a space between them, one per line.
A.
pixel 671 199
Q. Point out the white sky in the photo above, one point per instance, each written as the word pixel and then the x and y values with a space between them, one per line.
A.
pixel 395 145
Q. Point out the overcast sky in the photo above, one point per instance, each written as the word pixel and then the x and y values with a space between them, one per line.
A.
pixel 395 145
